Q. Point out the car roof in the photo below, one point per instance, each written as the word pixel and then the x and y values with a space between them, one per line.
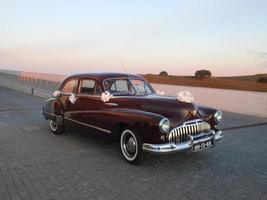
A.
pixel 103 75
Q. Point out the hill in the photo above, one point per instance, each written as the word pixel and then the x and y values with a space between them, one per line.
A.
pixel 253 78
pixel 247 83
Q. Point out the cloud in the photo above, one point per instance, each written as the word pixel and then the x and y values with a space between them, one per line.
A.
pixel 261 54
pixel 264 55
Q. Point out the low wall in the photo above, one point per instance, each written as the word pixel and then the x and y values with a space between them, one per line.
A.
pixel 28 84
pixel 244 102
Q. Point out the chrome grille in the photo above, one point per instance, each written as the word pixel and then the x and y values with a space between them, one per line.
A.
pixel 180 134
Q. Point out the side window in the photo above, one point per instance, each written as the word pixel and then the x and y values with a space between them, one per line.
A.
pixel 70 86
pixel 98 90
pixel 118 86
pixel 122 86
pixel 113 87
pixel 89 87
pixel 139 85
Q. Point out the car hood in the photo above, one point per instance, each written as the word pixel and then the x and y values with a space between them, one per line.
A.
pixel 176 111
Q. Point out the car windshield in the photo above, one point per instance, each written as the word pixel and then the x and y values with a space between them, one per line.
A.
pixel 127 86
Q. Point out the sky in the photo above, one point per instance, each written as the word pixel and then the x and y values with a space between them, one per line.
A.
pixel 227 37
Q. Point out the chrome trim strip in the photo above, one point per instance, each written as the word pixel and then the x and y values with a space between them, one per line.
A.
pixel 112 104
pixel 172 147
pixel 218 135
pixel 165 148
pixel 91 126
pixel 209 137
pixel 50 114
pixel 83 111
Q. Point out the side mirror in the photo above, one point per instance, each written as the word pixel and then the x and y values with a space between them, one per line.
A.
pixel 57 93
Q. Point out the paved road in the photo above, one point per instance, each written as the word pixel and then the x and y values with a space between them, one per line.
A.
pixel 35 164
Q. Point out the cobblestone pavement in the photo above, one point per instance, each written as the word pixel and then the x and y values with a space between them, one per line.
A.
pixel 35 164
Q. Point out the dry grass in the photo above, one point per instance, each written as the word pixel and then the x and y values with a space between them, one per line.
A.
pixel 248 83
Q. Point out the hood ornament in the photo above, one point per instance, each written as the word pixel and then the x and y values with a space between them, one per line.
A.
pixel 194 113
pixel 185 96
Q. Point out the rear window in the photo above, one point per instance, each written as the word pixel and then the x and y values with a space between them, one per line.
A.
pixel 70 86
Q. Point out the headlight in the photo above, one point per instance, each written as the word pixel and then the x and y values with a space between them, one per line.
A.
pixel 218 116
pixel 164 125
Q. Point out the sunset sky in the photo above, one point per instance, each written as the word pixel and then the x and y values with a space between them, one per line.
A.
pixel 227 37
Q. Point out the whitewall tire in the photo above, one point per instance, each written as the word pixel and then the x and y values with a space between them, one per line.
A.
pixel 131 146
pixel 56 129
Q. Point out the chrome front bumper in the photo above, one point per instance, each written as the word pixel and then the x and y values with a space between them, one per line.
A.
pixel 172 147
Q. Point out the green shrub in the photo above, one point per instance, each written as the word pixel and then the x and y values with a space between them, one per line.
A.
pixel 202 74
pixel 262 80
pixel 163 73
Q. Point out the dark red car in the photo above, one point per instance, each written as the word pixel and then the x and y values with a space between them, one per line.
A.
pixel 126 107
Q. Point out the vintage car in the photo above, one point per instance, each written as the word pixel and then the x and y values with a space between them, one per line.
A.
pixel 126 107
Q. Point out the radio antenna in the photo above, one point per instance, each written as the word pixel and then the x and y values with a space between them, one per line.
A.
pixel 125 69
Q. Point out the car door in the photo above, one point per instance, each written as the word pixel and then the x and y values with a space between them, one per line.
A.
pixel 89 105
pixel 69 88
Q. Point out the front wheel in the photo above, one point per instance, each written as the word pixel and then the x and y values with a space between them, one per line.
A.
pixel 131 146
pixel 56 129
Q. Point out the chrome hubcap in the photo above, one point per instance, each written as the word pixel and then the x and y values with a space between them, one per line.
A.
pixel 53 125
pixel 129 145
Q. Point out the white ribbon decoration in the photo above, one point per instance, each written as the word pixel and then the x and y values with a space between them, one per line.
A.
pixel 72 98
pixel 185 96
pixel 106 96
pixel 160 92
pixel 56 93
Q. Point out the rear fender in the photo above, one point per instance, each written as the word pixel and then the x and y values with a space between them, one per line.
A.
pixel 53 110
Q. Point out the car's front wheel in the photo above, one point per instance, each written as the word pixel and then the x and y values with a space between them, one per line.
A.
pixel 56 129
pixel 131 146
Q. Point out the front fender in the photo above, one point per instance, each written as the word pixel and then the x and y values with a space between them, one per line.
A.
pixel 207 114
pixel 146 123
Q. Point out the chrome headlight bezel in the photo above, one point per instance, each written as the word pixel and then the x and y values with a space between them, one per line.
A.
pixel 218 116
pixel 164 125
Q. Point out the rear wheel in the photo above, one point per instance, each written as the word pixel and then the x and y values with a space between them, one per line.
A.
pixel 56 129
pixel 131 146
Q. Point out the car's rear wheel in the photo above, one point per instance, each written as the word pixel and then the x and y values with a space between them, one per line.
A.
pixel 55 128
pixel 131 146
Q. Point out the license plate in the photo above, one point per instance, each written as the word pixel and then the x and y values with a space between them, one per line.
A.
pixel 203 145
